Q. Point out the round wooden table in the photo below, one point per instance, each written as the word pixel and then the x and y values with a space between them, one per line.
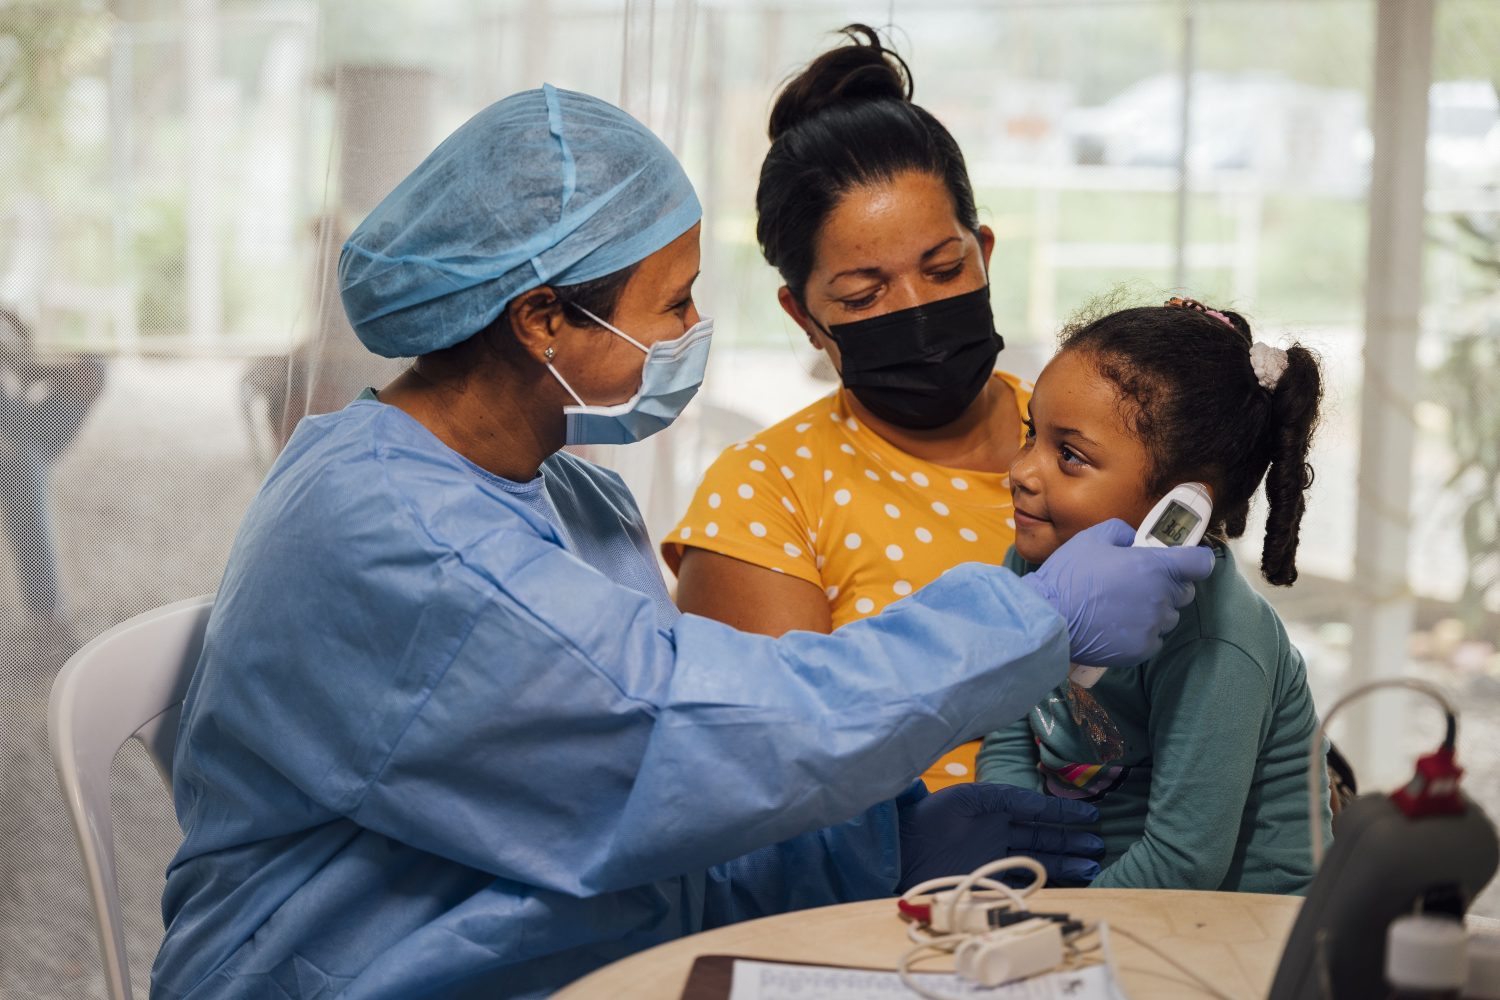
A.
pixel 1232 939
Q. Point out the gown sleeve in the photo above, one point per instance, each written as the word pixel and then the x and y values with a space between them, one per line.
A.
pixel 539 726
pixel 844 863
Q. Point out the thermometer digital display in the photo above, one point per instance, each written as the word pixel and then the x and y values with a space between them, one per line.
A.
pixel 1175 525
pixel 1179 518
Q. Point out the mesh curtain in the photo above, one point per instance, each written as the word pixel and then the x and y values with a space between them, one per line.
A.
pixel 176 178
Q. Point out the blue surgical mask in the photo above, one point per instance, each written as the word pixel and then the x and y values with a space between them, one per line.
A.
pixel 670 377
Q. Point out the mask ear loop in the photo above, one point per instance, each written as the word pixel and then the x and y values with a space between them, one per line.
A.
pixel 564 383
pixel 612 329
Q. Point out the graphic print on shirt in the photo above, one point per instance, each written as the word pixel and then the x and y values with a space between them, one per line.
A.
pixel 1087 782
pixel 1094 720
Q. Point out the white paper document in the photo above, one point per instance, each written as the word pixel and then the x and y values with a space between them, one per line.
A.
pixel 775 981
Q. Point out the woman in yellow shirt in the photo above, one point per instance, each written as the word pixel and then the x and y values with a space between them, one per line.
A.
pixel 866 209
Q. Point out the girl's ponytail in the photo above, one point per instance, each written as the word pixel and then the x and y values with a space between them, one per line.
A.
pixel 1294 418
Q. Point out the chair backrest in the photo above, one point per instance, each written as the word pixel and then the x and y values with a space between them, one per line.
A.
pixel 127 683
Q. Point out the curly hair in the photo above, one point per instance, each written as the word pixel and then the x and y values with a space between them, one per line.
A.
pixel 1189 393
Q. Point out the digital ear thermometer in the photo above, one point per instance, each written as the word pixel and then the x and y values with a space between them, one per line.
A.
pixel 1179 518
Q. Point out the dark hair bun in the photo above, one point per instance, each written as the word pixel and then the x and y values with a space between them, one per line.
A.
pixel 863 71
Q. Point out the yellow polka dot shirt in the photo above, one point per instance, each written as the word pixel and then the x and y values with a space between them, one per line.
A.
pixel 825 499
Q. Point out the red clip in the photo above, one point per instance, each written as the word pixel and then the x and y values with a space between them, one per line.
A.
pixel 920 912
pixel 1433 790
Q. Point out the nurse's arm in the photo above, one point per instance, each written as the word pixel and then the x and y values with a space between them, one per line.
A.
pixel 564 742
pixel 751 598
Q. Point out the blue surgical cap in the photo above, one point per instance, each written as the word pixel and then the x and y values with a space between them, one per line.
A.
pixel 546 187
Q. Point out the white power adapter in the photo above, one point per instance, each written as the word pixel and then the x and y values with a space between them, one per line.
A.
pixel 1015 952
pixel 969 914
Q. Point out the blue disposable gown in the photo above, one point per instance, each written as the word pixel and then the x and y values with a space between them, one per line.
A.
pixel 437 747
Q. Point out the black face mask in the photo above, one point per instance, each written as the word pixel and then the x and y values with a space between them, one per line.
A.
pixel 921 367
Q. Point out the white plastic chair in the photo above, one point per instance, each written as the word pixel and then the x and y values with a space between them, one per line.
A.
pixel 128 683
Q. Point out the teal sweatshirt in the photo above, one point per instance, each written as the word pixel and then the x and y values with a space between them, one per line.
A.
pixel 1206 787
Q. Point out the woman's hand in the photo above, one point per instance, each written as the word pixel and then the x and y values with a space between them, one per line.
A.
pixel 954 831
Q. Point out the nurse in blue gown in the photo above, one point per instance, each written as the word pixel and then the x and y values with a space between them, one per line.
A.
pixel 449 737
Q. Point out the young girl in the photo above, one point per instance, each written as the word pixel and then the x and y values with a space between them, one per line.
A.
pixel 1196 759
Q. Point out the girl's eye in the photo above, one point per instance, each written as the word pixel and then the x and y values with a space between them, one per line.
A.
pixel 1030 429
pixel 1070 457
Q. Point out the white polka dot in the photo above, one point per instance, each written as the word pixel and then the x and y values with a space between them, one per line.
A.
pixel 1010 522
pixel 956 769
pixel 923 535
pixel 821 560
pixel 777 569
pixel 891 510
pixel 827 475
pixel 898 477
pixel 760 447
pixel 804 452
pixel 960 484
pixel 851 424
pixel 685 533
pixel 852 541
pixel 803 428
pixel 846 448
pixel 841 497
pixel 792 550
pixel 758 465
pixel 714 500
pixel 742 446
pixel 835 417
pixel 872 475
pixel 745 491
pixel 968 535
pixel 787 473
pixel 832 592
pixel 864 605
pixel 711 529
pixel 790 507
pixel 812 536
pixel 894 553
pixel 940 507
pixel 919 478
pixel 757 529
pixel 902 587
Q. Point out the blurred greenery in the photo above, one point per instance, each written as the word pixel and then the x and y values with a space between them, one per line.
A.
pixel 1310 249
pixel 44 47
pixel 160 259
pixel 1467 384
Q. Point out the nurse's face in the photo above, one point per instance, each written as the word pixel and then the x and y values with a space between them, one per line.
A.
pixel 656 304
pixel 884 247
